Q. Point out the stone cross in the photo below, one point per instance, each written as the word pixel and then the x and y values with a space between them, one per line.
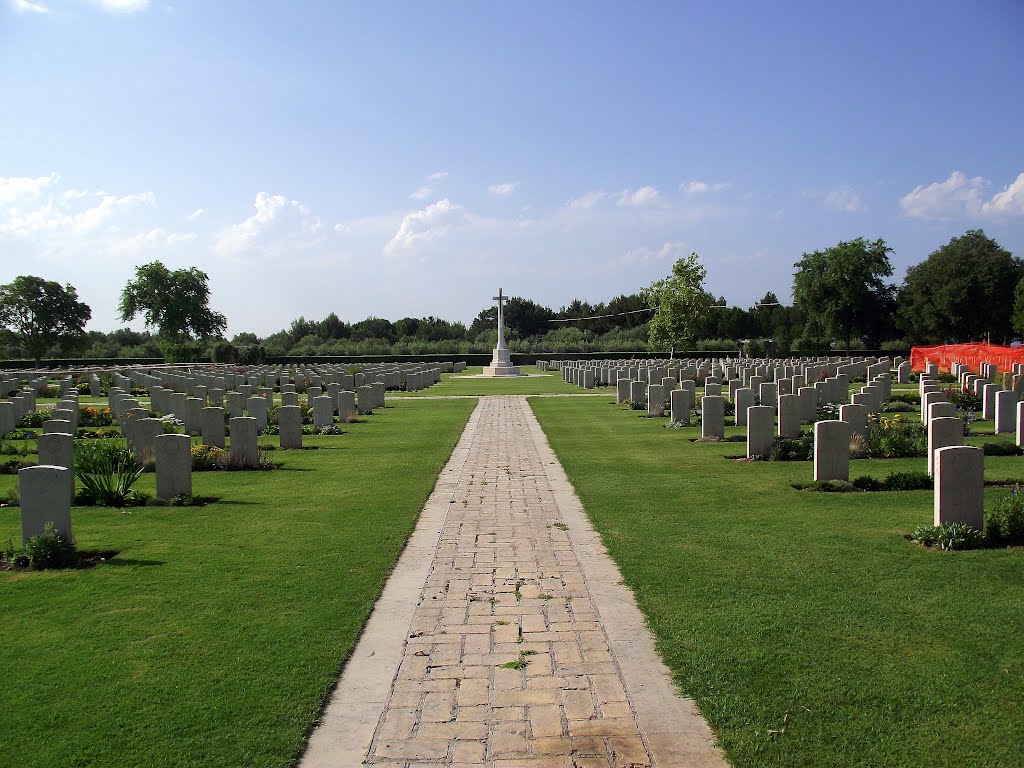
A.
pixel 501 299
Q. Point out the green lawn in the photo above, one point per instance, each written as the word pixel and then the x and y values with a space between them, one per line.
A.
pixel 214 636
pixel 458 384
pixel 767 600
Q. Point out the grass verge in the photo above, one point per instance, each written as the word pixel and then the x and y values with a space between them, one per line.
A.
pixel 217 632
pixel 766 600
pixel 457 384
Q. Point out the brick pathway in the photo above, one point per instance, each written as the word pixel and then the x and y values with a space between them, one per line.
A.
pixel 508 659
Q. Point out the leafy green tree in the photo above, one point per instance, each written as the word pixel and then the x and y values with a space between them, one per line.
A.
pixel 245 338
pixel 38 314
pixel 681 304
pixel 436 329
pixel 843 289
pixel 1018 308
pixel 407 327
pixel 964 291
pixel 527 318
pixel 374 328
pixel 176 303
pixel 333 327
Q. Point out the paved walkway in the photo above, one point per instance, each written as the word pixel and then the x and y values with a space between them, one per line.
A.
pixel 504 636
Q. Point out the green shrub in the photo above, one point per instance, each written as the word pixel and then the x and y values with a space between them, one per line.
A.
pixel 36 418
pixel 107 471
pixel 963 399
pixel 1002 448
pixel 50 549
pixel 208 457
pixel 716 345
pixel 896 438
pixel 948 536
pixel 834 486
pixel 828 412
pixel 909 397
pixel 792 449
pixel 91 416
pixel 867 483
pixel 1005 523
pixel 15 557
pixel 908 481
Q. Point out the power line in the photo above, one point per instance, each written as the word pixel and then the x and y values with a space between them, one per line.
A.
pixel 595 317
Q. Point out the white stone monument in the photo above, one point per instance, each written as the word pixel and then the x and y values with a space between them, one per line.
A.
pixel 501 362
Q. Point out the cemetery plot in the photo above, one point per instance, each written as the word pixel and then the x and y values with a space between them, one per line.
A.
pixel 774 606
pixel 215 632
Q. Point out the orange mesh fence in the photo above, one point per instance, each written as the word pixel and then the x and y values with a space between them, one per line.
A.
pixel 973 355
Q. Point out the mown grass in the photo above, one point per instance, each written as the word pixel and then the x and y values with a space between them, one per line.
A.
pixel 456 384
pixel 766 600
pixel 214 636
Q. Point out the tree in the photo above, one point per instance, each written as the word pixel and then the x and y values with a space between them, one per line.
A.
pixel 176 303
pixel 842 289
pixel 333 327
pixel 526 317
pixel 964 291
pixel 1018 308
pixel 681 304
pixel 38 314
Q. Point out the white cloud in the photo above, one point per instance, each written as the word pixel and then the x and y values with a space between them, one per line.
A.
pixel 588 199
pixel 195 214
pixel 25 6
pixel 954 197
pixel 639 197
pixel 503 189
pixel 673 251
pixel 23 213
pixel 422 193
pixel 437 176
pixel 15 189
pixel 844 199
pixel 432 222
pixel 278 225
pixel 697 187
pixel 144 240
pixel 124 6
pixel 1009 202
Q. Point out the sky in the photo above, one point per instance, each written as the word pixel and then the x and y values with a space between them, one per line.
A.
pixel 406 159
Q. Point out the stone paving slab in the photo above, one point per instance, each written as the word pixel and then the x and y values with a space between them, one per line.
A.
pixel 504 636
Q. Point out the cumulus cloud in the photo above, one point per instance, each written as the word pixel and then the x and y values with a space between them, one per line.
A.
pixel 25 6
pixel 697 187
pixel 672 250
pixel 956 196
pixel 588 199
pixel 146 240
pixel 24 188
pixel 639 197
pixel 437 176
pixel 430 223
pixel 278 224
pixel 31 206
pixel 1009 202
pixel 844 199
pixel 422 193
pixel 503 189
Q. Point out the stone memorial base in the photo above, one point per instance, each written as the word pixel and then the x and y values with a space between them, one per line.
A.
pixel 501 365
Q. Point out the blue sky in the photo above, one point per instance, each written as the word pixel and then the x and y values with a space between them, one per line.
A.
pixel 407 159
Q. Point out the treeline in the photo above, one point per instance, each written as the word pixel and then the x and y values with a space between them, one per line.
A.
pixel 970 289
